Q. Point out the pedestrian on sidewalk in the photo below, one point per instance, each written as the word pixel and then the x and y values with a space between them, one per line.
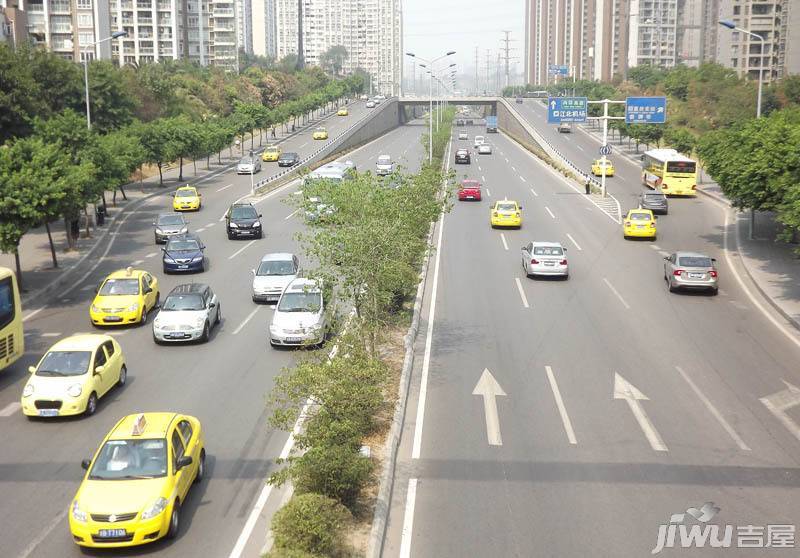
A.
pixel 588 185
pixel 273 132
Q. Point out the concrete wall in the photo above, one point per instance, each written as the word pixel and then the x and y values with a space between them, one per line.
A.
pixel 383 118
pixel 510 122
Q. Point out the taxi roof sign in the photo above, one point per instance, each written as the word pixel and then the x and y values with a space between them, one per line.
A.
pixel 139 425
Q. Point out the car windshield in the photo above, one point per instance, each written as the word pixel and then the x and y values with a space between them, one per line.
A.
pixel 173 245
pixel 64 363
pixel 272 149
pixel 548 251
pixel 170 220
pixel 289 156
pixel 130 459
pixel 640 216
pixel 694 261
pixel 384 160
pixel 470 185
pixel 300 302
pixel 178 302
pixel 320 129
pixel 461 152
pixel 655 197
pixel 186 193
pixel 247 212
pixel 120 287
pixel 245 161
pixel 506 207
pixel 276 267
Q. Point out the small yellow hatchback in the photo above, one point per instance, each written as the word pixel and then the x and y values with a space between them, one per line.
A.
pixel 271 154
pixel 506 213
pixel 186 198
pixel 342 112
pixel 640 223
pixel 125 297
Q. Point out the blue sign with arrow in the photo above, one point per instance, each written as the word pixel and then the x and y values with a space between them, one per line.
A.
pixel 558 70
pixel 566 109
pixel 645 110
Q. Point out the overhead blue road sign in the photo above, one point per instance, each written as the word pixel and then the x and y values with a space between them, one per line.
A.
pixel 605 150
pixel 558 70
pixel 566 109
pixel 645 110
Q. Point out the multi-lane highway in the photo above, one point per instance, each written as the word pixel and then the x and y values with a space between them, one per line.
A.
pixel 224 382
pixel 573 418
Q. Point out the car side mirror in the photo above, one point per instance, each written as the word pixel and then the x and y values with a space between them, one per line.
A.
pixel 163 249
pixel 154 223
pixel 253 271
pixel 184 461
pixel 714 260
pixel 212 304
pixel 666 258
pixel 99 369
pixel 148 290
pixel 520 207
pixel 85 464
pixel 31 369
pixel 260 215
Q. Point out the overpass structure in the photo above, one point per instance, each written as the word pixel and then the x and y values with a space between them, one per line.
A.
pixel 413 102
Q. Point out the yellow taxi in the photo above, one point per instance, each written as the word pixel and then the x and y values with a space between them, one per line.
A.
pixel 342 112
pixel 639 223
pixel 506 213
pixel 186 198
pixel 73 375
pixel 320 134
pixel 136 482
pixel 598 165
pixel 271 154
pixel 124 297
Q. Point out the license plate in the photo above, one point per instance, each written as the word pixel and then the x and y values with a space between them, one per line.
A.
pixel 695 275
pixel 640 226
pixel 550 263
pixel 112 319
pixel 48 412
pixel 177 335
pixel 293 339
pixel 111 533
pixel 470 197
pixel 183 267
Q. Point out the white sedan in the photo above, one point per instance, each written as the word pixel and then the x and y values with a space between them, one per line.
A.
pixel 545 258
pixel 484 149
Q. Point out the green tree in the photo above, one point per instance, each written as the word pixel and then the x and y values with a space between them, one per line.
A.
pixel 680 139
pixel 158 141
pixel 20 99
pixel 309 525
pixel 333 59
pixel 646 76
pixel 111 103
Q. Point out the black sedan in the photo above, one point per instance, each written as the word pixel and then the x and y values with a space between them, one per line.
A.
pixel 184 253
pixel 462 156
pixel 654 201
pixel 288 159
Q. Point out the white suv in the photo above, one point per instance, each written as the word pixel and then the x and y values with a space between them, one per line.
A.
pixel 300 317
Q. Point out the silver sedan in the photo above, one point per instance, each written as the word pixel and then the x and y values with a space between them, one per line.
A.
pixel 484 149
pixel 545 258
pixel 691 270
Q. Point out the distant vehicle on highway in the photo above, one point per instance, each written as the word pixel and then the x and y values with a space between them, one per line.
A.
pixel 320 134
pixel 364 97
pixel 518 100
pixel 189 313
pixel 484 149
pixel 478 140
pixel 384 165
pixel 300 317
pixel 248 165
pixel 491 124
pixel 639 223
pixel 463 135
pixel 186 198
pixel 168 225
pixel 565 127
pixel 274 272
pixel 288 159
pixel 371 104
pixel 380 97
pixel 469 190
pixel 691 271
pixel 185 252
pixel 654 201
pixel 271 153
pixel 545 258
pixel 506 213
pixel 462 156
pixel 336 171
pixel 342 112
pixel 242 219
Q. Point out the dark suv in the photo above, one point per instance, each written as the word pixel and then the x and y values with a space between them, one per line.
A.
pixel 242 219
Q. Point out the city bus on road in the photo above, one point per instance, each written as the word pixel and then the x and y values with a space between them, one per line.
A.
pixel 12 343
pixel 669 172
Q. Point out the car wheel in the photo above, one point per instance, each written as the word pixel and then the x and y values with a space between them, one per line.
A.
pixel 202 267
pixel 260 234
pixel 204 337
pixel 158 300
pixel 672 288
pixel 91 404
pixel 156 340
pixel 715 291
pixel 123 376
pixel 201 467
pixel 219 314
pixel 143 319
pixel 174 520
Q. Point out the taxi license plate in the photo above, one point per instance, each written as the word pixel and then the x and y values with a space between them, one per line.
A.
pixel 111 533
pixel 48 412
pixel 640 226
pixel 177 335
pixel 112 319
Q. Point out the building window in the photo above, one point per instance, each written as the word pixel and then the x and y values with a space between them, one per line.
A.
pixel 85 38
pixel 85 20
pixel 85 4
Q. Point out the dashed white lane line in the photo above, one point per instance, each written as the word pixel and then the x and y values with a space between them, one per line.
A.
pixel 619 296
pixel 208 226
pixel 483 178
pixel 302 146
pixel 408 519
pixel 118 333
pixel 573 241
pixel 292 214
pixel 247 319
pixel 242 249
pixel 224 188
pixel 488 192
pixel 87 288
pixel 136 262
pixel 506 158
pixel 522 178
pixel 587 208
pixel 579 147
pixel 550 212
pixel 10 409
pixel 503 238
pixel 479 168
pixel 562 409
pixel 51 334
pixel 521 292
pixel 151 254
pixel 714 411
pixel 513 168
pixel 534 192
pixel 655 247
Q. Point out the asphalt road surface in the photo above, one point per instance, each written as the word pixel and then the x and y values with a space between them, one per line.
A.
pixel 574 418
pixel 224 383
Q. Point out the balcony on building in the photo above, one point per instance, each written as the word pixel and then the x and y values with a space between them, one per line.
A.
pixel 60 8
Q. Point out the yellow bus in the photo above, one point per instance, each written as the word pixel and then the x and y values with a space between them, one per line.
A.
pixel 12 342
pixel 669 172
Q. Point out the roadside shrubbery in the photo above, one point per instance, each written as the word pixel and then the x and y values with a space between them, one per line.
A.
pixel 309 525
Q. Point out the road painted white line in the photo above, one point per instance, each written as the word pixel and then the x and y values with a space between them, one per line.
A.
pixel 224 188
pixel 10 409
pixel 713 410
pixel 623 389
pixel 426 358
pixel 573 241
pixel 550 212
pixel 302 146
pixel 655 247
pixel 488 388
pixel 663 253
pixel 242 249
pixel 781 402
pixel 151 254
pixel 483 178
pixel 292 214
pixel 534 193
pixel 587 208
pixel 201 229
pixel 579 147
pixel 86 288
pixel 619 296
pixel 562 410
pixel 521 293
pixel 723 292
pixel 503 238
pixel 247 319
pixel 137 262
pixel 506 158
pixel 118 333
pixel 479 168
pixel 408 519
pixel 51 334
pixel 43 534
pixel 522 178
pixel 513 168
pixel 66 300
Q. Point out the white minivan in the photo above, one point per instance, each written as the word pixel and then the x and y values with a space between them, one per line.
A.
pixel 479 140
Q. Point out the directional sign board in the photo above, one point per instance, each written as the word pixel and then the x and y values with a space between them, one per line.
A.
pixel 645 110
pixel 566 109
pixel 605 150
pixel 558 70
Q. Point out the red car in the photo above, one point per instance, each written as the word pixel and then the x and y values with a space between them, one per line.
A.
pixel 469 190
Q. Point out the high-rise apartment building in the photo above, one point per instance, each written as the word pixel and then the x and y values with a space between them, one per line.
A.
pixel 244 25
pixel 69 27
pixel 264 31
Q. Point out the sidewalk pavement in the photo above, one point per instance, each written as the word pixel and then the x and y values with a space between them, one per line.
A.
pixel 772 264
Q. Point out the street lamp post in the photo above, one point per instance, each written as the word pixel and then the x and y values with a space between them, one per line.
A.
pixel 430 97
pixel 114 35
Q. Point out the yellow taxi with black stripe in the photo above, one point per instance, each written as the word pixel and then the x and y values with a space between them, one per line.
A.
pixel 125 297
pixel 271 154
pixel 320 134
pixel 187 198
pixel 506 213
pixel 639 223
pixel 342 112
pixel 137 481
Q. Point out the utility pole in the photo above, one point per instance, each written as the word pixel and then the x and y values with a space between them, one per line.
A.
pixel 498 87
pixel 507 58
pixel 300 61
pixel 488 65
pixel 477 65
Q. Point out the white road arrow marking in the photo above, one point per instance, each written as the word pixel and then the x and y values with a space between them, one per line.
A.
pixel 780 402
pixel 623 389
pixel 489 389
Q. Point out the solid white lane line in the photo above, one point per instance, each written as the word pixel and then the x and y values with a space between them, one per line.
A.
pixel 573 241
pixel 247 319
pixel 136 262
pixel 550 212
pixel 242 249
pixel 488 192
pixel 562 410
pixel 521 293
pixel 522 178
pixel 408 519
pixel 224 188
pixel 208 226
pixel 663 253
pixel 655 247
pixel 713 410
pixel 43 534
pixel 151 254
pixel 619 296
pixel 534 193
pixel 292 214
pixel 10 409
pixel 503 238
pixel 201 229
pixel 51 334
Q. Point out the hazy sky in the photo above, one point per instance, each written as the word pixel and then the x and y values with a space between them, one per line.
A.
pixel 433 27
